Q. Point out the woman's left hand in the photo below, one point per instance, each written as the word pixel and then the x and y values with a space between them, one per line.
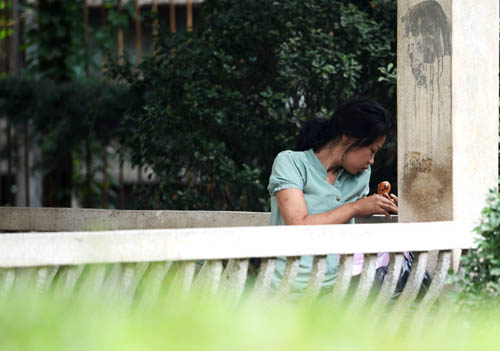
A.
pixel 392 197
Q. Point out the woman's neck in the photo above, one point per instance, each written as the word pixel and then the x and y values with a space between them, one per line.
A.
pixel 331 157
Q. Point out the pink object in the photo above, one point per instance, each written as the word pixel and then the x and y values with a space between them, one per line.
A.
pixel 382 260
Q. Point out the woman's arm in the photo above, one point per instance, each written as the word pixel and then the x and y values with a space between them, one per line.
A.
pixel 294 211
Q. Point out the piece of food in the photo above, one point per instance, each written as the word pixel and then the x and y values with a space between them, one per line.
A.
pixel 383 188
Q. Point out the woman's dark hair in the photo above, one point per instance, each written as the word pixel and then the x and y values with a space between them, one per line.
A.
pixel 363 119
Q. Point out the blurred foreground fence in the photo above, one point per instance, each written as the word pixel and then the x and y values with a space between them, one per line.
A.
pixel 118 253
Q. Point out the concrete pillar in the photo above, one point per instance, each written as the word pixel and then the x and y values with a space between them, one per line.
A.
pixel 447 107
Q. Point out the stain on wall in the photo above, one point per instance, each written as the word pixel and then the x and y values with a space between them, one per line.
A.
pixel 425 46
pixel 429 33
pixel 429 187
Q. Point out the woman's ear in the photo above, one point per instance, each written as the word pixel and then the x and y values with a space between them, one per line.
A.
pixel 347 140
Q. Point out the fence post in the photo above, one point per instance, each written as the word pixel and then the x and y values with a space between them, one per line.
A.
pixel 189 15
pixel 105 183
pixel 26 164
pixel 172 16
pixel 86 35
pixel 119 38
pixel 104 18
pixel 156 26
pixel 138 33
pixel 15 64
pixel 9 164
pixel 6 42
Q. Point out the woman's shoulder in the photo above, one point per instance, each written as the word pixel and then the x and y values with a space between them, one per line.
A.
pixel 296 158
pixel 289 171
pixel 291 155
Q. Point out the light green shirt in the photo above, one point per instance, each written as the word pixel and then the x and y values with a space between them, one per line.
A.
pixel 304 171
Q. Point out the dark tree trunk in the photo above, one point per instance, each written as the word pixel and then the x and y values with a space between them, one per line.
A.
pixel 58 183
pixel 173 25
pixel 26 164
pixel 87 202
pixel 58 180
pixel 122 185
pixel 105 183
pixel 9 165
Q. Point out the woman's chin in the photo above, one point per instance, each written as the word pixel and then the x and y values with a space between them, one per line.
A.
pixel 355 171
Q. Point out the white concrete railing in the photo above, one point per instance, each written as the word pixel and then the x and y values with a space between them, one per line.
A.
pixel 37 249
pixel 118 261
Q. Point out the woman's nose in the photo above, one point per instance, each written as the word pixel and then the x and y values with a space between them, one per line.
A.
pixel 372 160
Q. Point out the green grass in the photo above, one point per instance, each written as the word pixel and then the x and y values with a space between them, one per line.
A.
pixel 202 323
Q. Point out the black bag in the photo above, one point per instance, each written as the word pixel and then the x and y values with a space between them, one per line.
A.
pixel 403 276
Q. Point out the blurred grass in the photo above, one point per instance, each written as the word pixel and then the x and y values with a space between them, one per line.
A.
pixel 204 323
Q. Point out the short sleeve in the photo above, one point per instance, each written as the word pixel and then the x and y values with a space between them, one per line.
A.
pixel 287 173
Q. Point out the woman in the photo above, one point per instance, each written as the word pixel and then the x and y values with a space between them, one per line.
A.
pixel 326 181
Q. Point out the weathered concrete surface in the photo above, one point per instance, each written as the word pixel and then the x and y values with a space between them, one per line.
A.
pixel 475 104
pixel 72 219
pixel 77 219
pixel 424 110
pixel 447 108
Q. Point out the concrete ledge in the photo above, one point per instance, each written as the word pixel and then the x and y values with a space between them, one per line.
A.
pixel 25 219
pixel 73 219
pixel 376 219
pixel 33 249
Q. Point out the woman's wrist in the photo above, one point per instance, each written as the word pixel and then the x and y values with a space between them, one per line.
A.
pixel 353 208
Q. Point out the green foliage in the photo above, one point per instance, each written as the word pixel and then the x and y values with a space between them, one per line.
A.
pixel 205 323
pixel 214 107
pixel 5 26
pixel 65 116
pixel 6 30
pixel 480 285
pixel 104 37
pixel 221 102
pixel 55 43
pixel 389 75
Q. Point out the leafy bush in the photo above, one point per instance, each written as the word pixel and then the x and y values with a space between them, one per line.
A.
pixel 55 43
pixel 67 121
pixel 221 102
pixel 481 267
pixel 60 47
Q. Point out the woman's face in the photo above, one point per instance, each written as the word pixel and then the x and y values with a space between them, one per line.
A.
pixel 357 159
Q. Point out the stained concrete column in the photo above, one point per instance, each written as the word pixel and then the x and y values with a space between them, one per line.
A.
pixel 447 107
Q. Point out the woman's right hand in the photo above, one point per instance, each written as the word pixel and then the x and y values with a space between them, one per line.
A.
pixel 375 204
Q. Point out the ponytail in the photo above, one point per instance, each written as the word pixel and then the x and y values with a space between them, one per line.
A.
pixel 362 119
pixel 314 134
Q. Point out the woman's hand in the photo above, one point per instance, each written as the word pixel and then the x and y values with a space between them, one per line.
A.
pixel 376 204
pixel 393 198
